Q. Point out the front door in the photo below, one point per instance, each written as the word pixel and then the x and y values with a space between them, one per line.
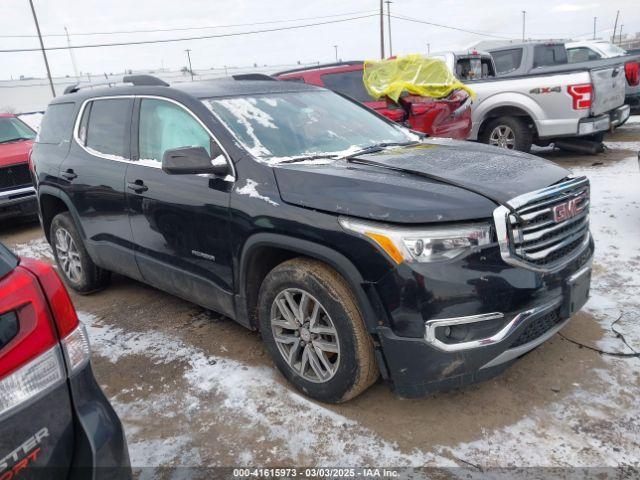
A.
pixel 94 171
pixel 180 223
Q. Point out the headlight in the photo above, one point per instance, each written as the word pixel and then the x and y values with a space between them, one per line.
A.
pixel 421 244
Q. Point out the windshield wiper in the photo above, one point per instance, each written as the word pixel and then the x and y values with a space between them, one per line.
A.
pixel 378 147
pixel 16 139
pixel 309 157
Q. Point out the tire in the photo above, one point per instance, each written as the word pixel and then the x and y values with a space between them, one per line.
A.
pixel 74 263
pixel 516 134
pixel 346 358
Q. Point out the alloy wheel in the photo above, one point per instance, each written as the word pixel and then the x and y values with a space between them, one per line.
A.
pixel 68 255
pixel 305 335
pixel 503 136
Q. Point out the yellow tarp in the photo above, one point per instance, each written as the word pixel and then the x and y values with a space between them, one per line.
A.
pixel 418 75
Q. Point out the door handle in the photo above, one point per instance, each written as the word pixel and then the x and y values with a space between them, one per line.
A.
pixel 138 186
pixel 69 174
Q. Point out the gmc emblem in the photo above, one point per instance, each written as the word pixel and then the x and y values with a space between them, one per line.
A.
pixel 568 209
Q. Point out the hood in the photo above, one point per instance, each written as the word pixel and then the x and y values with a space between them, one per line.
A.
pixel 399 187
pixel 15 152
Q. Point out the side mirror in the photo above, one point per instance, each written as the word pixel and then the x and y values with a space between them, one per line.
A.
pixel 192 160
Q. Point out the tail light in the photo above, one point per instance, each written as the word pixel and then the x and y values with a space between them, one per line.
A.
pixel 44 341
pixel 582 95
pixel 632 72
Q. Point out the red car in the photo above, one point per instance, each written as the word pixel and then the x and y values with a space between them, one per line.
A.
pixel 17 195
pixel 446 117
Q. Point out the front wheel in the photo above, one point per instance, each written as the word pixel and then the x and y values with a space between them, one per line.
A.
pixel 314 331
pixel 511 133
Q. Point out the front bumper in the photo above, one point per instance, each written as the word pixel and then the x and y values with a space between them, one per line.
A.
pixel 532 306
pixel 19 202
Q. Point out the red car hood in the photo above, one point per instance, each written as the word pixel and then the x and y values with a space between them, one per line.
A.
pixel 14 152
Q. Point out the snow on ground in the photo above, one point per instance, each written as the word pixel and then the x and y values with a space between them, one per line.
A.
pixel 250 396
pixel 38 248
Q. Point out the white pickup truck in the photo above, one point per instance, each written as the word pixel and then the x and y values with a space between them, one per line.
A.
pixel 540 99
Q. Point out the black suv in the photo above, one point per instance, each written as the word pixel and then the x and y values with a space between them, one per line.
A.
pixel 355 247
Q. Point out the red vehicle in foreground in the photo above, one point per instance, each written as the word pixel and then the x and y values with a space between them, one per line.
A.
pixel 445 117
pixel 17 195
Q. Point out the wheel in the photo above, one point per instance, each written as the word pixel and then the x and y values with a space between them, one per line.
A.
pixel 75 266
pixel 511 133
pixel 314 331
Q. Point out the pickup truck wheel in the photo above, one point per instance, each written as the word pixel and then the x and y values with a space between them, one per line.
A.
pixel 314 331
pixel 75 266
pixel 511 133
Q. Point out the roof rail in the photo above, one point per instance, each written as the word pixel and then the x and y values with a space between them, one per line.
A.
pixel 144 80
pixel 137 80
pixel 253 76
pixel 320 65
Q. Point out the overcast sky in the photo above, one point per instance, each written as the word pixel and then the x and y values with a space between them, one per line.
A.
pixel 358 39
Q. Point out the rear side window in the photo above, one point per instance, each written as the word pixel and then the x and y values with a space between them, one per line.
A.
pixel 507 60
pixel 106 126
pixel 57 123
pixel 347 83
pixel 581 54
pixel 547 55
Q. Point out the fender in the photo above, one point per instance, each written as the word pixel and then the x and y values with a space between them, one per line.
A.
pixel 60 194
pixel 504 99
pixel 310 249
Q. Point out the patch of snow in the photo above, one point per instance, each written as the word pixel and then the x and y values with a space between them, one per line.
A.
pixel 250 189
pixel 633 119
pixel 38 248
pixel 109 156
pixel 634 146
pixel 251 396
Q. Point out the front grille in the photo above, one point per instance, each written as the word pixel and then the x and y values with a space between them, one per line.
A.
pixel 536 328
pixel 547 228
pixel 15 176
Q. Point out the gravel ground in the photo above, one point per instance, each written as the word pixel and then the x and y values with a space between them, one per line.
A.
pixel 195 389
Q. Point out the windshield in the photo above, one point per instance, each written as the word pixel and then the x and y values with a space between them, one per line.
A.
pixel 281 126
pixel 12 129
pixel 611 50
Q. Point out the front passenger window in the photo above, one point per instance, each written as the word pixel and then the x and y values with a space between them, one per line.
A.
pixel 164 126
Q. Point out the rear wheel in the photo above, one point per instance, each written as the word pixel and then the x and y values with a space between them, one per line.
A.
pixel 314 331
pixel 511 133
pixel 75 266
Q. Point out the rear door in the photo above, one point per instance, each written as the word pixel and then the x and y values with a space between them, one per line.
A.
pixel 180 223
pixel 94 174
pixel 608 85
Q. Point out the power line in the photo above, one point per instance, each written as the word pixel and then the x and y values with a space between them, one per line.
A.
pixel 415 20
pixel 180 29
pixel 184 39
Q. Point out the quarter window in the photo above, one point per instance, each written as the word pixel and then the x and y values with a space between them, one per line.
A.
pixel 57 123
pixel 107 127
pixel 164 126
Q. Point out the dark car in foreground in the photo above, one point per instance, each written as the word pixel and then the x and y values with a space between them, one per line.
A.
pixel 17 195
pixel 448 117
pixel 55 422
pixel 354 246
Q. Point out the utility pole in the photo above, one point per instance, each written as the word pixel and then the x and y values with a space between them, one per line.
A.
pixel 595 19
pixel 336 49
pixel 620 41
pixel 71 54
pixel 381 29
pixel 188 50
pixel 44 53
pixel 428 48
pixel 389 2
pixel 524 17
pixel 615 27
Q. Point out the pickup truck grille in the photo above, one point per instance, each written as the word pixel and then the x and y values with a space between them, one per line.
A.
pixel 15 176
pixel 545 229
